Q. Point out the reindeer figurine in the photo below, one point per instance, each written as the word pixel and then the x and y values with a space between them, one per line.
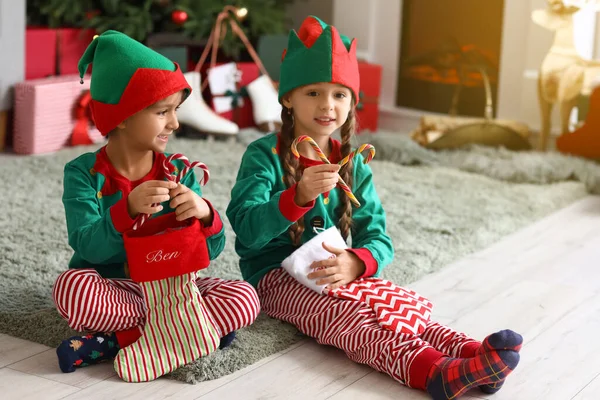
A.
pixel 564 74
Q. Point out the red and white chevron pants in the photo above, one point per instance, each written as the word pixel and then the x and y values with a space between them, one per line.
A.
pixel 353 327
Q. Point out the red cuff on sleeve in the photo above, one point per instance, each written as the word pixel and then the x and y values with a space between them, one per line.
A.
pixel 120 216
pixel 216 225
pixel 288 207
pixel 366 256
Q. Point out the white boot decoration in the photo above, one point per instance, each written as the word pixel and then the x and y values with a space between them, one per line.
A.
pixel 265 104
pixel 195 113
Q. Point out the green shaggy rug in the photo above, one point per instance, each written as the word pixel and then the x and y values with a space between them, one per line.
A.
pixel 440 207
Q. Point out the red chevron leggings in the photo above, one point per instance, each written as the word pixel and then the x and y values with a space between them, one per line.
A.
pixel 352 327
pixel 92 303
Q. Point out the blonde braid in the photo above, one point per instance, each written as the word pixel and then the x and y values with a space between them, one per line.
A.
pixel 291 166
pixel 345 209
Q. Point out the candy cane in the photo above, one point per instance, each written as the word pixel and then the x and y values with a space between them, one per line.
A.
pixel 167 170
pixel 362 148
pixel 195 164
pixel 323 158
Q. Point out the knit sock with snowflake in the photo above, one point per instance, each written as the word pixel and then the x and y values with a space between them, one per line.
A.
pixel 81 351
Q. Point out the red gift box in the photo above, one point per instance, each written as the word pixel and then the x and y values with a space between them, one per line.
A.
pixel 71 44
pixel 367 110
pixel 40 53
pixel 164 247
pixel 243 116
pixel 51 52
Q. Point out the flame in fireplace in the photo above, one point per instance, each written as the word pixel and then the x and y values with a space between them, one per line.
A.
pixel 445 65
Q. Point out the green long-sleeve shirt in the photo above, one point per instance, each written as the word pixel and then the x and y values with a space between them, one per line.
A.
pixel 262 209
pixel 95 201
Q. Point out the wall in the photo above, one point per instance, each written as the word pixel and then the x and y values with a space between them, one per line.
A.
pixel 12 48
pixel 301 9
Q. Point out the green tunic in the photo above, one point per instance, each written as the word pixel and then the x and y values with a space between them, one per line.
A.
pixel 95 201
pixel 262 209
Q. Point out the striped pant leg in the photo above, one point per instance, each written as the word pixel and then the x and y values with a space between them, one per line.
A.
pixel 92 303
pixel 449 341
pixel 232 304
pixel 348 325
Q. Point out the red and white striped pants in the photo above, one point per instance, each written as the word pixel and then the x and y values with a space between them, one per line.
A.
pixel 92 303
pixel 352 327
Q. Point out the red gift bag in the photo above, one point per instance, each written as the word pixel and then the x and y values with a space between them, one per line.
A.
pixel 164 247
pixel 367 110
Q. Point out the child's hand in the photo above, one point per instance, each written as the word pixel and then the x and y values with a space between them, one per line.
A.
pixel 316 180
pixel 188 204
pixel 339 270
pixel 141 198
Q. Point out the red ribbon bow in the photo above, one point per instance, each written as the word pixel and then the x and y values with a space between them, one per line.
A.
pixel 83 117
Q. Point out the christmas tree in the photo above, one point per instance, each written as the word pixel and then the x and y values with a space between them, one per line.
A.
pixel 141 18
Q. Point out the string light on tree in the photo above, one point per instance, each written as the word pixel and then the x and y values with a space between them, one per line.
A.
pixel 242 12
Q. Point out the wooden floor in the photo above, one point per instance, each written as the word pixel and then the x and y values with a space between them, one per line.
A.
pixel 543 282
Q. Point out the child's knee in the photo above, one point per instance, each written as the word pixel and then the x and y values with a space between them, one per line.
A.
pixel 68 287
pixel 255 304
pixel 252 299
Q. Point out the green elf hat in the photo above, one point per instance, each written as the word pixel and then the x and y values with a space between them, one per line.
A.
pixel 318 53
pixel 127 77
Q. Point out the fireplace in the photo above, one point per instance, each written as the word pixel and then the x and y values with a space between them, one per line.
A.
pixel 442 44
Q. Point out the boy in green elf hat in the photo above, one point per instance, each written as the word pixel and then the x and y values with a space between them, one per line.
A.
pixel 135 94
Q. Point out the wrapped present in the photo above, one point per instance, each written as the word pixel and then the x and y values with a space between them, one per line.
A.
pixel 46 113
pixel 54 51
pixel 367 109
pixel 227 83
pixel 71 44
pixel 40 53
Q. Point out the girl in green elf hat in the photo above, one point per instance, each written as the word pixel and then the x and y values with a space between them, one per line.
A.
pixel 150 326
pixel 286 208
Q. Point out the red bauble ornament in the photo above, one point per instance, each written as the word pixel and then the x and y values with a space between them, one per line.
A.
pixel 179 17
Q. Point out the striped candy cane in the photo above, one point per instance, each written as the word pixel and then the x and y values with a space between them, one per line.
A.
pixel 166 169
pixel 323 158
pixel 362 148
